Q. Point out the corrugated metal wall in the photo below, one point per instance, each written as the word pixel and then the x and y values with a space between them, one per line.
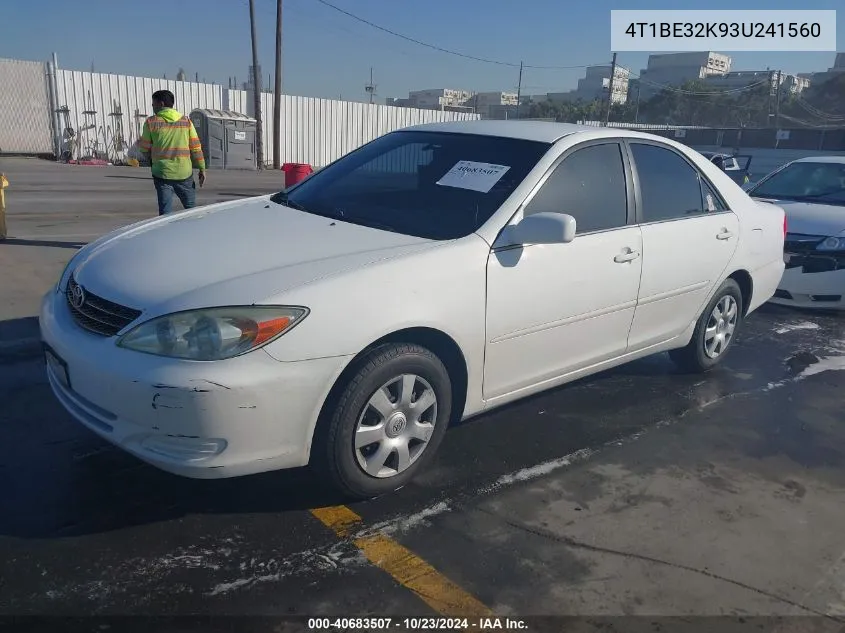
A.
pixel 24 108
pixel 106 113
pixel 319 131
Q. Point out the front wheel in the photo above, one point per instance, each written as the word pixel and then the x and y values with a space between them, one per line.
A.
pixel 387 423
pixel 714 332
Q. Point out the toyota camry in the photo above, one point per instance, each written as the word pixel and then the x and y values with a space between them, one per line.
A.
pixel 430 275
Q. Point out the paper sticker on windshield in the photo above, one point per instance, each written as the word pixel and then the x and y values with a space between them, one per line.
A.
pixel 467 174
pixel 711 204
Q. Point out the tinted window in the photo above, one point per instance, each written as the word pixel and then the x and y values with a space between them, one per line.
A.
pixel 396 183
pixel 669 186
pixel 822 183
pixel 589 185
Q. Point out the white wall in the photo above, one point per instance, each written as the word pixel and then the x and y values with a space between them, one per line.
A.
pixel 314 131
pixel 319 131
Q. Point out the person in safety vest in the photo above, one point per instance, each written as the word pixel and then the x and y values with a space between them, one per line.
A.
pixel 171 143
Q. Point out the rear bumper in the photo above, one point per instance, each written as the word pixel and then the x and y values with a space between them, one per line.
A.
pixel 766 281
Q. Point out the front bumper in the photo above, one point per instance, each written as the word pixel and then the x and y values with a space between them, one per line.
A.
pixel 812 285
pixel 205 420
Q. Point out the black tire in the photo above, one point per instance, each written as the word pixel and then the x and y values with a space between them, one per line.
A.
pixel 334 450
pixel 693 358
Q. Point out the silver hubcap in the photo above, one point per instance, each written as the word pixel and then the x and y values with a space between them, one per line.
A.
pixel 395 426
pixel 720 327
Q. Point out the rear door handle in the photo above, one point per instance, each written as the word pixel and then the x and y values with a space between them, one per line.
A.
pixel 725 235
pixel 626 257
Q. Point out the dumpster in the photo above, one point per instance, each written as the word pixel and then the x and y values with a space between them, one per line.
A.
pixel 294 172
pixel 228 138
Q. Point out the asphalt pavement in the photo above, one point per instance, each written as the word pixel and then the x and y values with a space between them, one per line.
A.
pixel 636 492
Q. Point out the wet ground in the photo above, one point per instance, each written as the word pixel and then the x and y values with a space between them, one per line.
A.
pixel 639 491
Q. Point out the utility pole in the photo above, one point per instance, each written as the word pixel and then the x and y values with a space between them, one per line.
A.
pixel 777 104
pixel 519 91
pixel 637 111
pixel 610 90
pixel 277 92
pixel 256 90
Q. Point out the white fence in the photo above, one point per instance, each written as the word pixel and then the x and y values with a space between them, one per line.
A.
pixel 24 108
pixel 318 131
pixel 106 113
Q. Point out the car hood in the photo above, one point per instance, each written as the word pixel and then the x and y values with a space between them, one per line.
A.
pixel 232 253
pixel 806 218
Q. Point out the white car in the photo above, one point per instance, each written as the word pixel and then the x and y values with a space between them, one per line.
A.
pixel 812 192
pixel 430 275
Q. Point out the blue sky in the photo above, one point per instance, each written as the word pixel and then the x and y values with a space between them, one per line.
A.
pixel 327 54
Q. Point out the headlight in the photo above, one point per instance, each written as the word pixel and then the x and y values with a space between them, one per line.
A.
pixel 213 333
pixel 832 244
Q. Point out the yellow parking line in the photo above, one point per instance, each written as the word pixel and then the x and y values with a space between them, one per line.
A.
pixel 408 569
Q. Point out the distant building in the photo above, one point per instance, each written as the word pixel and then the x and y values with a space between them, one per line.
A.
pixel 834 71
pixel 595 84
pixel 439 98
pixel 494 105
pixel 674 69
pixel 794 84
pixel 740 79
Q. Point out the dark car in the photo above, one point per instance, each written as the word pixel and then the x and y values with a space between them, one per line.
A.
pixel 731 165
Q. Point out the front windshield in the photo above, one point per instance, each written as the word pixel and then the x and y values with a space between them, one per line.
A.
pixel 822 183
pixel 433 185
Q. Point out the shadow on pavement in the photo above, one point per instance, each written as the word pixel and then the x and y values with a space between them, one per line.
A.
pixel 15 241
pixel 19 329
pixel 60 480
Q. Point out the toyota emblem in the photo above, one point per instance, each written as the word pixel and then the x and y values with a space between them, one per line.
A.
pixel 77 296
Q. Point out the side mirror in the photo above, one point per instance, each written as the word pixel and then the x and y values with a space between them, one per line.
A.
pixel 544 228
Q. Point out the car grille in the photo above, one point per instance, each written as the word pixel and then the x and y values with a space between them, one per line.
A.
pixel 96 314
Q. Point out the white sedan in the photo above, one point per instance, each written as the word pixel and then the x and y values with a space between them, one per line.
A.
pixel 430 275
pixel 812 192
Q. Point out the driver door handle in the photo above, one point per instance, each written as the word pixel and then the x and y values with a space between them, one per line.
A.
pixel 725 235
pixel 626 257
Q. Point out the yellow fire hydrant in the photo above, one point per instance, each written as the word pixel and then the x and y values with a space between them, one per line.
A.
pixel 3 184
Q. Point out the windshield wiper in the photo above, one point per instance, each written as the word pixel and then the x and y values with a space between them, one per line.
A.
pixel 374 224
pixel 282 198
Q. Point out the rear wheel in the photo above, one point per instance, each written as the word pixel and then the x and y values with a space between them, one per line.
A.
pixel 388 421
pixel 714 332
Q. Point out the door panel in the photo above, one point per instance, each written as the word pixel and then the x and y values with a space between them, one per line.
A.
pixel 552 309
pixel 682 261
pixel 689 238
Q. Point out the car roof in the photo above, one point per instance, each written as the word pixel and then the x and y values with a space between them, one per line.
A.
pixel 543 131
pixel 821 159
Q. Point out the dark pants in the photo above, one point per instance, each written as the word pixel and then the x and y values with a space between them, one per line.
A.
pixel 185 190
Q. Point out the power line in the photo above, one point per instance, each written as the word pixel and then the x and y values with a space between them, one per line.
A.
pixel 447 50
pixel 702 93
pixel 817 112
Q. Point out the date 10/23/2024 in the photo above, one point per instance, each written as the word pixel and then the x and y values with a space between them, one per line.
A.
pixel 416 624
